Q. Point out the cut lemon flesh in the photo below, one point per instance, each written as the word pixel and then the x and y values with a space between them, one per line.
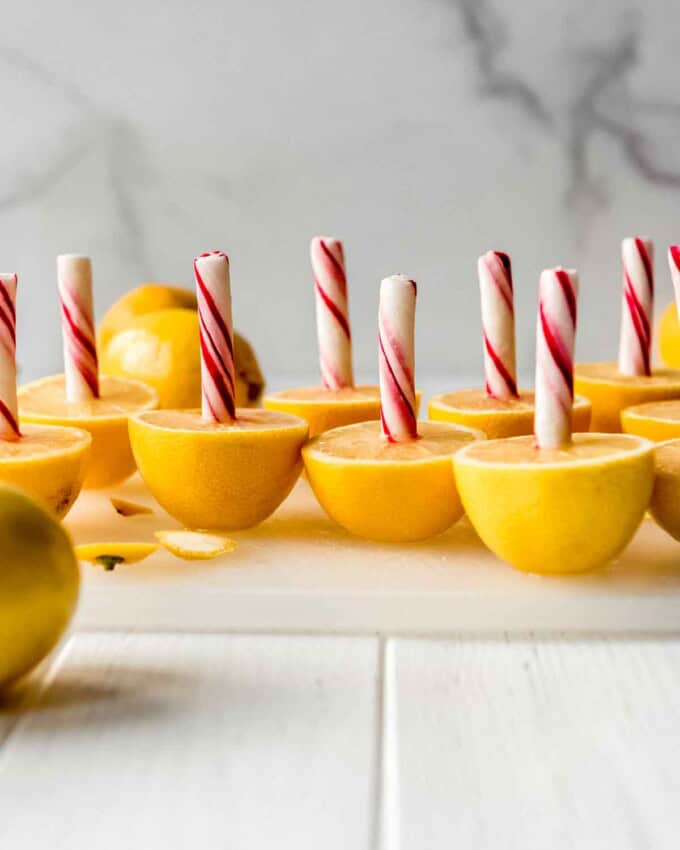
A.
pixel 497 417
pixel 105 418
pixel 556 510
pixel 656 420
pixel 394 492
pixel 323 409
pixel 195 545
pixel 48 462
pixel 111 555
pixel 665 503
pixel 218 476
pixel 610 392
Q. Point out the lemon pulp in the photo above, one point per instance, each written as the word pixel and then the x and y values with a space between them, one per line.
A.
pixel 105 418
pixel 48 462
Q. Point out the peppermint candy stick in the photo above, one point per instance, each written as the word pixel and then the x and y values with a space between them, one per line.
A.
pixel 638 305
pixel 396 325
pixel 9 421
pixel 213 289
pixel 74 277
pixel 332 318
pixel 674 264
pixel 498 324
pixel 555 334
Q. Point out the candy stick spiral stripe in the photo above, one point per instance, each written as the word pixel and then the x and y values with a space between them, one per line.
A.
pixel 638 304
pixel 213 290
pixel 498 324
pixel 74 274
pixel 332 317
pixel 396 325
pixel 674 264
pixel 555 335
pixel 9 423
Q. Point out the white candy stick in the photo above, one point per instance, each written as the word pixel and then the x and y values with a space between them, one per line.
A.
pixel 396 326
pixel 9 419
pixel 555 335
pixel 332 316
pixel 74 276
pixel 498 324
pixel 635 347
pixel 213 290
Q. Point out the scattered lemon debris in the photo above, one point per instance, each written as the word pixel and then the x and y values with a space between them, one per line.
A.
pixel 195 545
pixel 110 555
pixel 126 508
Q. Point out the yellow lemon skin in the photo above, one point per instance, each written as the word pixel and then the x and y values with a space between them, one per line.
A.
pixel 610 392
pixel 325 409
pixel 146 298
pixel 393 493
pixel 48 463
pixel 210 476
pixel 665 503
pixel 496 418
pixel 657 421
pixel 161 349
pixel 39 583
pixel 566 516
pixel 105 419
pixel 669 336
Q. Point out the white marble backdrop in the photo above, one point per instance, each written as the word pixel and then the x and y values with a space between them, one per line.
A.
pixel 420 131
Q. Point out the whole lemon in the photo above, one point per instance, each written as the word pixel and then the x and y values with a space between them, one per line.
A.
pixel 147 298
pixel 39 581
pixel 669 336
pixel 151 334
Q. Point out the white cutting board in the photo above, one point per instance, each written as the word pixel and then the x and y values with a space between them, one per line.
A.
pixel 300 572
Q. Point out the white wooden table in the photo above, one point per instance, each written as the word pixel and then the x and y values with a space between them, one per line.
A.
pixel 163 737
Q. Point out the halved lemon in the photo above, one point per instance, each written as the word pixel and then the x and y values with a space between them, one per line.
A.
pixel 611 392
pixel 218 476
pixel 656 420
pixel 497 417
pixel 47 462
pixel 556 510
pixel 393 492
pixel 665 503
pixel 325 409
pixel 105 418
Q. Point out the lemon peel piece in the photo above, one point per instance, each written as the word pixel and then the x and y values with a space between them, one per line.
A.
pixel 110 555
pixel 126 508
pixel 195 545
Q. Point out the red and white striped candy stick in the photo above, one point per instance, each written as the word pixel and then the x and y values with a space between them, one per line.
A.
pixel 498 324
pixel 213 290
pixel 674 263
pixel 555 334
pixel 638 304
pixel 9 422
pixel 396 326
pixel 332 317
pixel 74 276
